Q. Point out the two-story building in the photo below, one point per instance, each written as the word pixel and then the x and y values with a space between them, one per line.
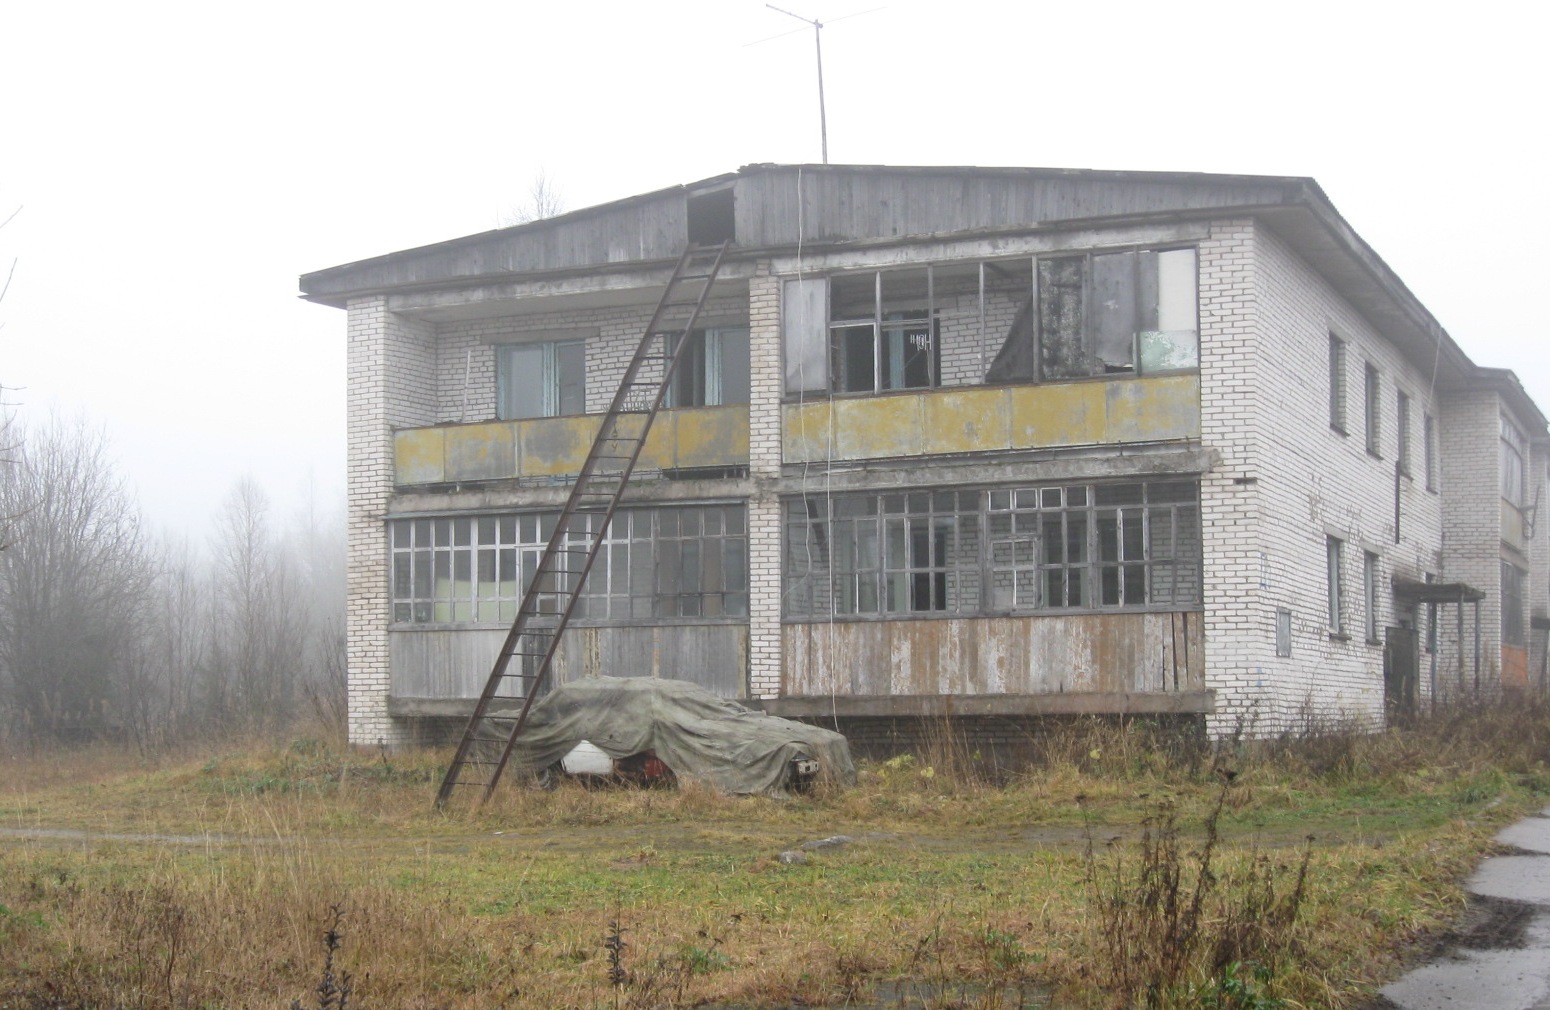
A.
pixel 1000 442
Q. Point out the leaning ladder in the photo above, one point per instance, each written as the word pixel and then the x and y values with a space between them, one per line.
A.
pixel 525 657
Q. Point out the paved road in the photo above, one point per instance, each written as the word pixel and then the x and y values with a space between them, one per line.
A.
pixel 1503 961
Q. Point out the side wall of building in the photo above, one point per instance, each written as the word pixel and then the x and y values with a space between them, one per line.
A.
pixel 1289 480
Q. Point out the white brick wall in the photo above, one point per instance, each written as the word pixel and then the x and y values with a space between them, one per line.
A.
pixel 391 365
pixel 766 380
pixel 1287 479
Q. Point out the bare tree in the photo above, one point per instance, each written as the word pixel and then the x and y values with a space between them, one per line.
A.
pixel 259 618
pixel 544 199
pixel 74 584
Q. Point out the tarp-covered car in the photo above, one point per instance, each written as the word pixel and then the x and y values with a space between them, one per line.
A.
pixel 695 734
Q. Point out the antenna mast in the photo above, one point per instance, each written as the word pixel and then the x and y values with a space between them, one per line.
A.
pixel 823 116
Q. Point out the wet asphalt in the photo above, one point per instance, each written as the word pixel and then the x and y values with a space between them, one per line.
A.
pixel 1500 958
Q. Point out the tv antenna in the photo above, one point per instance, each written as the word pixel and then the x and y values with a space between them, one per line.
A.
pixel 823 116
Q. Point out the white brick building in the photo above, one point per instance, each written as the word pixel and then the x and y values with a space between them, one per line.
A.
pixel 1000 442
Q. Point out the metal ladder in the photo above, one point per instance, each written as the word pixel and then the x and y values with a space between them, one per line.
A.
pixel 547 603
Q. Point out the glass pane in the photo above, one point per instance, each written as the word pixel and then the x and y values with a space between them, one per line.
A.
pixel 734 366
pixel 1113 311
pixel 520 377
pixel 1061 352
pixel 854 358
pixel 570 377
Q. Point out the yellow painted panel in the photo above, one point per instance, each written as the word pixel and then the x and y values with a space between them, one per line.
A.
pixel 808 437
pixel 1153 409
pixel 712 436
pixel 418 456
pixel 886 426
pixel 1057 413
pixel 555 445
pixel 658 452
pixel 481 451
pixel 967 420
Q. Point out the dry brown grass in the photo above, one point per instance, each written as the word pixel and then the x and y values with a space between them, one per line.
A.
pixel 962 891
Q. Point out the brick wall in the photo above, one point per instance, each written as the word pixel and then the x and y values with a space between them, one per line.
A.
pixel 391 367
pixel 766 380
pixel 1287 480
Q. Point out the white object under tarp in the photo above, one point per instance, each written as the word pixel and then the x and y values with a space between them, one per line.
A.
pixel 698 735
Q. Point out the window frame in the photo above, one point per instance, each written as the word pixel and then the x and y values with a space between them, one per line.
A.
pixel 1337 384
pixel 700 376
pixel 1371 574
pixel 1142 310
pixel 658 563
pixel 552 379
pixel 1514 457
pixel 1513 627
pixel 1402 431
pixel 1372 407
pixel 1334 576
pixel 1051 548
pixel 1429 448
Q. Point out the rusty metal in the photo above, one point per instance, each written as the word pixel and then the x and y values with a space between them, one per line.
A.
pixel 547 604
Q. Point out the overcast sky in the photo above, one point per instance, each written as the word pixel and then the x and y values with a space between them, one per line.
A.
pixel 178 165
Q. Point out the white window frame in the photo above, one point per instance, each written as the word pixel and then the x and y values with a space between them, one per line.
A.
pixel 551 380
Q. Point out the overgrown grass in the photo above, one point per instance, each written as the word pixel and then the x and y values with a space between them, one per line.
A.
pixel 963 887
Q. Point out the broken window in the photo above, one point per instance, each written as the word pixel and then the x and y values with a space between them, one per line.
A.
pixel 994 551
pixel 541 379
pixel 678 561
pixel 1104 314
pixel 712 369
pixel 882 331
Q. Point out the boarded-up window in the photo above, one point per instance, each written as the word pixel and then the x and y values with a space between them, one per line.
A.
pixel 805 325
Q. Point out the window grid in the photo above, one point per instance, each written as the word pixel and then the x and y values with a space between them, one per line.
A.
pixel 1429 450
pixel 683 561
pixel 994 550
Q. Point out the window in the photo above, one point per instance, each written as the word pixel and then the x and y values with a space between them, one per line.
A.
pixel 679 561
pixel 1514 451
pixel 883 332
pixel 1110 313
pixel 1402 432
pixel 1513 578
pixel 1372 406
pixel 1333 548
pixel 1429 450
pixel 1283 632
pixel 994 550
pixel 1370 594
pixel 542 379
pixel 712 369
pixel 1337 384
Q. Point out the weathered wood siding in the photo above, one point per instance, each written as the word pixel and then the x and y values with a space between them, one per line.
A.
pixel 844 203
pixel 1105 653
pixel 454 663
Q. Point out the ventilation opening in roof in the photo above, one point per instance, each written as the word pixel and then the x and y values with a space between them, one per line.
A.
pixel 711 217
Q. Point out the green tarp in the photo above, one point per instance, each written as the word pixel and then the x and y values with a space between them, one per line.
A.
pixel 699 736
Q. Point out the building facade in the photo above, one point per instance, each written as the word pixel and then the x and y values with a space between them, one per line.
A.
pixel 1001 443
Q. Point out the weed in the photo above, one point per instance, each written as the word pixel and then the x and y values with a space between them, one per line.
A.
pixel 1176 915
pixel 333 990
